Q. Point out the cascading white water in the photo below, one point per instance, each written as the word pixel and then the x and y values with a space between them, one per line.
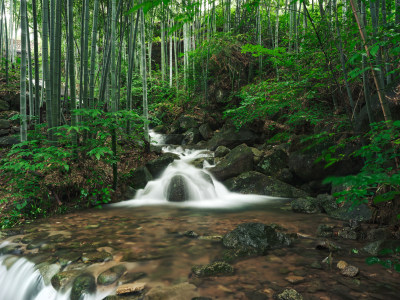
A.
pixel 20 280
pixel 203 189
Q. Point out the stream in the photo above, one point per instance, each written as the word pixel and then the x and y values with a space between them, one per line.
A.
pixel 156 243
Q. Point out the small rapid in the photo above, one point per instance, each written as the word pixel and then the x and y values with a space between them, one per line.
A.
pixel 203 190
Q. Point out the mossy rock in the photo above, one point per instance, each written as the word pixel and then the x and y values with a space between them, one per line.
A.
pixel 111 275
pixel 83 285
pixel 94 257
pixel 60 280
pixel 213 269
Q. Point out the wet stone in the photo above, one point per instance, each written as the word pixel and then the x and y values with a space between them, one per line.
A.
pixel 83 285
pixel 11 249
pixel 48 271
pixel 341 265
pixel 290 294
pixel 350 271
pixel 131 288
pixel 327 245
pixel 111 275
pixel 213 269
pixel 325 230
pixel 295 279
pixel 60 280
pixel 93 257
pixel 68 257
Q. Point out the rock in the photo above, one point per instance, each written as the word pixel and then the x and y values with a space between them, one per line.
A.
pixel 284 175
pixel 139 177
pixel 4 105
pixel 221 151
pixel 294 279
pixel 255 239
pixel 84 284
pixel 380 247
pixel 289 294
pixel 111 275
pixel 199 162
pixel 346 212
pixel 158 165
pixel 66 258
pixel 348 233
pixel 93 257
pixel 328 203
pixel 190 234
pixel 213 269
pixel 273 161
pixel 182 291
pixel 342 264
pixel 8 141
pixel 11 249
pixel 325 230
pixel 327 245
pixel 186 122
pixel 205 131
pixel 191 137
pixel 130 288
pixel 173 139
pixel 177 189
pixel 4 124
pixel 160 129
pixel 308 205
pixel 349 271
pixel 256 183
pixel 231 138
pixel 4 132
pixel 48 271
pixel 129 193
pixel 239 160
pixel 61 280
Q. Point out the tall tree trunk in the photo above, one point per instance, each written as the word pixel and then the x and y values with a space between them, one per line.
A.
pixel 30 82
pixel 45 60
pixel 93 54
pixel 24 127
pixel 71 66
pixel 36 58
pixel 114 89
pixel 381 95
pixel 144 80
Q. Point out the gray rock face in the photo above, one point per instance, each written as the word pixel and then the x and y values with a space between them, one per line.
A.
pixel 177 189
pixel 191 137
pixel 328 203
pixel 205 131
pixel 256 183
pixel 308 205
pixel 325 230
pixel 173 139
pixel 231 138
pixel 255 239
pixel 4 124
pixel 4 132
pixel 4 105
pixel 272 162
pixel 377 247
pixel 239 160
pixel 8 141
pixel 361 213
pixel 83 285
pixel 158 165
pixel 139 177
pixel 221 151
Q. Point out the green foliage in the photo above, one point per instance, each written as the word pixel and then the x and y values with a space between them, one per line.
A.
pixel 388 263
pixel 379 177
pixel 42 174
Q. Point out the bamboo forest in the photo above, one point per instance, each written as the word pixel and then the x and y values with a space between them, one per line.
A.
pixel 199 149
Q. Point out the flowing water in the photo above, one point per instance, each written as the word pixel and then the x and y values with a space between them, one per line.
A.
pixel 160 241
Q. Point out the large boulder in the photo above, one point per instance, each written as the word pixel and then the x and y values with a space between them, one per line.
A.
pixel 272 162
pixel 231 138
pixel 8 141
pixel 221 151
pixel 184 123
pixel 255 239
pixel 239 160
pixel 173 139
pixel 4 132
pixel 177 189
pixel 139 177
pixel 111 275
pixel 4 124
pixel 308 205
pixel 382 247
pixel 257 183
pixel 158 165
pixel 205 131
pixel 4 105
pixel 347 211
pixel 191 137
